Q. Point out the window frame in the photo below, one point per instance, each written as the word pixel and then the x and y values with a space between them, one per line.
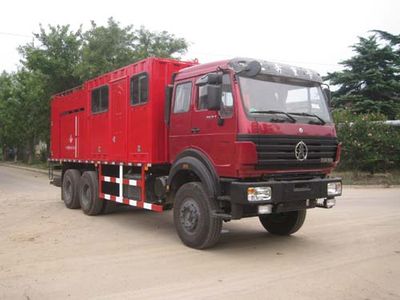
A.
pixel 99 88
pixel 138 75
pixel 190 96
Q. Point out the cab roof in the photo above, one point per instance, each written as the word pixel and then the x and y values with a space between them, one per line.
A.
pixel 239 64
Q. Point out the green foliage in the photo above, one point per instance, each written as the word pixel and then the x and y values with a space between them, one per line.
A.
pixel 370 81
pixel 55 54
pixel 29 95
pixel 111 47
pixel 160 44
pixel 23 111
pixel 367 143
pixel 105 49
pixel 7 111
pixel 347 116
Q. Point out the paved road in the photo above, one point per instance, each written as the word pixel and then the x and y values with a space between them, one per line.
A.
pixel 50 252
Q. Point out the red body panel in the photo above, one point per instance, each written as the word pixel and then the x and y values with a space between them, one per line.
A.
pixel 124 133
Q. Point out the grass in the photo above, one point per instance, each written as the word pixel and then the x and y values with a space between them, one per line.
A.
pixel 35 164
pixel 365 178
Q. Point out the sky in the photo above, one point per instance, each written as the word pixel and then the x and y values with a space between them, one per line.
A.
pixel 311 34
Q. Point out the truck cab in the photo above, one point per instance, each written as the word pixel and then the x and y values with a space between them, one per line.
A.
pixel 262 132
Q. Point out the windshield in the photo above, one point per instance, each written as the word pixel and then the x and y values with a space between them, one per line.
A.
pixel 305 102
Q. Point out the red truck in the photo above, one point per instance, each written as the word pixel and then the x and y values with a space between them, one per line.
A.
pixel 215 142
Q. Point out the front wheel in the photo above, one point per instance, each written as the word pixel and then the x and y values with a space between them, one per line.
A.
pixel 285 223
pixel 194 223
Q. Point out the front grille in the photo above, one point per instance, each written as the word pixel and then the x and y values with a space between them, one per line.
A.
pixel 278 152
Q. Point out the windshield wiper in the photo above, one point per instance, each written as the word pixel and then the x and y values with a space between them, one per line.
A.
pixel 322 121
pixel 292 120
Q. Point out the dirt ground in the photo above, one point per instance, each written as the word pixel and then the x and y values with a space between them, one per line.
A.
pixel 50 252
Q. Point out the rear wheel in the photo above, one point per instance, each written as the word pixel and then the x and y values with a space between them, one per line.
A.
pixel 194 223
pixel 89 199
pixel 285 223
pixel 70 188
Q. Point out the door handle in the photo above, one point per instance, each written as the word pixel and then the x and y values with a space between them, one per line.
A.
pixel 195 130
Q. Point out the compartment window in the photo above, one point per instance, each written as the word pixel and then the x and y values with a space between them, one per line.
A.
pixel 182 97
pixel 139 89
pixel 100 99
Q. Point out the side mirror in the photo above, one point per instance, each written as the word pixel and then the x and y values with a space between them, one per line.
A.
pixel 210 94
pixel 328 96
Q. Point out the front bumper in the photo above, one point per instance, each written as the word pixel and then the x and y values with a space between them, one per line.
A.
pixel 285 195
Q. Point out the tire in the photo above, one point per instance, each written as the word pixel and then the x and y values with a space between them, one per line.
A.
pixel 70 188
pixel 89 199
pixel 285 223
pixel 195 225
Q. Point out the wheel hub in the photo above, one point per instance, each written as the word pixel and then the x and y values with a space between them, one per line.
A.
pixel 86 195
pixel 189 215
pixel 68 189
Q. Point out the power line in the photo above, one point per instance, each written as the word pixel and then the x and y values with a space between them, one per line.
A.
pixel 14 34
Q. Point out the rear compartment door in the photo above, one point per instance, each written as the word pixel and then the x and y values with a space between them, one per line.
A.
pixel 118 119
pixel 69 135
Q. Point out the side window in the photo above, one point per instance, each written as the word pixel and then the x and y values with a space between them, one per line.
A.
pixel 226 97
pixel 100 99
pixel 201 104
pixel 139 89
pixel 182 97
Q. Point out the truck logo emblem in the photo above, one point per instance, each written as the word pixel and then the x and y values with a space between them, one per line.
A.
pixel 301 151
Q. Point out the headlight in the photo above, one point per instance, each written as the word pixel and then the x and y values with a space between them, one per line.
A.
pixel 260 193
pixel 334 188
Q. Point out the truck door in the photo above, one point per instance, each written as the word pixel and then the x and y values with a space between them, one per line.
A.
pixel 180 126
pixel 214 132
pixel 118 119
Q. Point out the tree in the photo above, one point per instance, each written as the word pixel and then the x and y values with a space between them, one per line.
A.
pixel 106 48
pixel 370 81
pixel 160 44
pixel 7 134
pixel 32 120
pixel 23 117
pixel 56 56
pixel 49 66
